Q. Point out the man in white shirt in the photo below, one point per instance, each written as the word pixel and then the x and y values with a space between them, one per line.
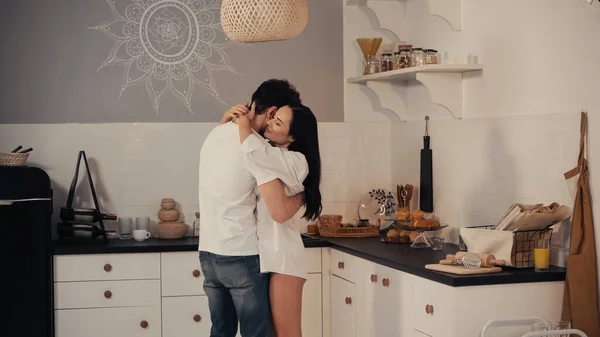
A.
pixel 234 285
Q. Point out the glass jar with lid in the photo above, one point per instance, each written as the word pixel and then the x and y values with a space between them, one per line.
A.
pixel 387 62
pixel 372 64
pixel 405 58
pixel 396 61
pixel 431 56
pixel 417 57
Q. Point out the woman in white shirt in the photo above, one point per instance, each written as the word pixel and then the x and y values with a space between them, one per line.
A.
pixel 287 165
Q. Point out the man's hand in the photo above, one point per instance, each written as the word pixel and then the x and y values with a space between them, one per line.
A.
pixel 235 112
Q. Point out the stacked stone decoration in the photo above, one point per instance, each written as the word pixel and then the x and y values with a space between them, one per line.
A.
pixel 169 226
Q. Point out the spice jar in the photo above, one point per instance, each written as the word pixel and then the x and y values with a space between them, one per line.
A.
pixel 387 63
pixel 417 57
pixel 371 65
pixel 405 58
pixel 396 61
pixel 431 56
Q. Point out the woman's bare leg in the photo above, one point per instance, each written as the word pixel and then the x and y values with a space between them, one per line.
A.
pixel 286 304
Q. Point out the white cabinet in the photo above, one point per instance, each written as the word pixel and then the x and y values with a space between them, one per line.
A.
pixel 387 304
pixel 186 316
pixel 151 295
pixel 435 307
pixel 312 315
pixel 107 295
pixel 181 274
pixel 108 322
pixel 343 312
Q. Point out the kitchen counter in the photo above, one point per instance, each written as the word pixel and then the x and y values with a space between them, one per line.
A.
pixel 411 260
pixel 397 256
pixel 152 245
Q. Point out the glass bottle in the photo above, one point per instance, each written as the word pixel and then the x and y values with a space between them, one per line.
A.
pixel 197 225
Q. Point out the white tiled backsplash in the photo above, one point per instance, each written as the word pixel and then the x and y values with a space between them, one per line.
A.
pixel 482 166
pixel 135 165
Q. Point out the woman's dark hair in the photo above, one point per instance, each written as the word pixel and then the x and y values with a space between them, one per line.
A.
pixel 277 93
pixel 306 141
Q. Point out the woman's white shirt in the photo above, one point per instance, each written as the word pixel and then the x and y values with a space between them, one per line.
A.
pixel 280 245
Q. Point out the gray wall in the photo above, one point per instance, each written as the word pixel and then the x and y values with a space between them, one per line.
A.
pixel 51 64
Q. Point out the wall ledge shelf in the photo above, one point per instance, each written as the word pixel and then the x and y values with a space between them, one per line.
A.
pixel 444 82
pixel 411 73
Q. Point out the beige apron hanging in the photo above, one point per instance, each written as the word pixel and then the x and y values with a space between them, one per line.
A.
pixel 580 302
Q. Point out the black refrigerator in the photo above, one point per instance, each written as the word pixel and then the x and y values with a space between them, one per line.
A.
pixel 25 227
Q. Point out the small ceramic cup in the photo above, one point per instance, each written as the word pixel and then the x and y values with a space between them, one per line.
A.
pixel 140 235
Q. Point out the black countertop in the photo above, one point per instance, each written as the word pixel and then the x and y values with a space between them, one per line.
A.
pixel 411 260
pixel 152 245
pixel 397 256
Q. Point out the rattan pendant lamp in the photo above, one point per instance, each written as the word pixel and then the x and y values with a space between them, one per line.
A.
pixel 263 20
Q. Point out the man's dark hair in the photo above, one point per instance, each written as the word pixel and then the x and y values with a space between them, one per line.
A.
pixel 277 93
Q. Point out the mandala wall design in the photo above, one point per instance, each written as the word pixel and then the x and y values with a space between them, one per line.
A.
pixel 171 46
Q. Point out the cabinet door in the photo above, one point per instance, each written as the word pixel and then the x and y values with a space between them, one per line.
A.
pixel 109 322
pixel 387 302
pixel 312 314
pixel 343 313
pixel 186 316
pixel 181 274
pixel 435 308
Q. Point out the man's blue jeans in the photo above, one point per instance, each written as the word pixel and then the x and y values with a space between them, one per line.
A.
pixel 236 291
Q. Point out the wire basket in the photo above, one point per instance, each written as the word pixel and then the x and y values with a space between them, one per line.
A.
pixel 13 159
pixel 523 244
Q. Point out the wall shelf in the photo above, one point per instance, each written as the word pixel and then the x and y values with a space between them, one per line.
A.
pixel 449 10
pixel 444 82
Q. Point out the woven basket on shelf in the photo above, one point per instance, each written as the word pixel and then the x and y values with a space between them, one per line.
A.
pixel 263 20
pixel 13 159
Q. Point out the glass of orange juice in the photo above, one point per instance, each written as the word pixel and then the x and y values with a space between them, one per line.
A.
pixel 541 255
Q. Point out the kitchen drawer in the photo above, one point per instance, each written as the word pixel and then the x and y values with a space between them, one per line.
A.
pixel 343 265
pixel 109 322
pixel 313 256
pixel 186 316
pixel 181 274
pixel 103 267
pixel 435 308
pixel 103 294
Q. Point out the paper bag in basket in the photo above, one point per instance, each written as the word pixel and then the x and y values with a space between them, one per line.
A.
pixel 486 241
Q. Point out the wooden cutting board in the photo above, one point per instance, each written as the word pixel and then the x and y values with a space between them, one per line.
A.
pixel 460 270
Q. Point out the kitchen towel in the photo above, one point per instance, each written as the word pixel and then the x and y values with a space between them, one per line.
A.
pixel 486 241
pixel 580 301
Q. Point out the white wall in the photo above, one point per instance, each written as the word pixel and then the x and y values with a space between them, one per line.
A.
pixel 135 165
pixel 521 126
